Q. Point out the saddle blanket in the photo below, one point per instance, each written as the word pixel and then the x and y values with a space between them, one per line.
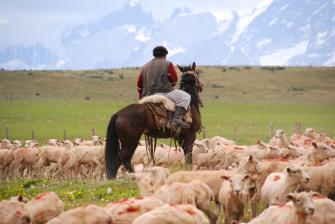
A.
pixel 163 109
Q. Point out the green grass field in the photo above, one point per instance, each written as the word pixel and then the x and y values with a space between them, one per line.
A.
pixel 72 193
pixel 248 98
pixel 49 118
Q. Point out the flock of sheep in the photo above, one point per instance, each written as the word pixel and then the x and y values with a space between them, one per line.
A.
pixel 293 177
pixel 48 208
pixel 56 159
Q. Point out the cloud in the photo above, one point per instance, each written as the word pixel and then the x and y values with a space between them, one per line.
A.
pixel 133 2
pixel 60 63
pixel 176 51
pixel 3 20
pixel 163 9
pixel 143 35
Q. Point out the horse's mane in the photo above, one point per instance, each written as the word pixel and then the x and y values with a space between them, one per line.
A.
pixel 188 84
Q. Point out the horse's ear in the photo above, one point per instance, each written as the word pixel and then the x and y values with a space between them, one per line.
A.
pixel 180 68
pixel 194 66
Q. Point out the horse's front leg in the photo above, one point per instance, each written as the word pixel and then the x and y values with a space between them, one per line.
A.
pixel 129 167
pixel 187 145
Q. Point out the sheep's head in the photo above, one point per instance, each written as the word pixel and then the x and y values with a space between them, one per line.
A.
pixel 145 182
pixel 280 133
pixel 310 132
pixel 322 150
pixel 303 202
pixel 250 165
pixel 237 182
pixel 297 174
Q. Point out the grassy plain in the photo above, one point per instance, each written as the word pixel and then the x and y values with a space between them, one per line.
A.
pixel 50 118
pixel 248 98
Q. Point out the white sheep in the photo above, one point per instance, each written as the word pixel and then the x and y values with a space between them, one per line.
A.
pixel 278 184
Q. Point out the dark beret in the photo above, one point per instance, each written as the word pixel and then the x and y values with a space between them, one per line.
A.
pixel 160 51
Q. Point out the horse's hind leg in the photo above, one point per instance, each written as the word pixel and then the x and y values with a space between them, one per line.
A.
pixel 128 148
pixel 125 158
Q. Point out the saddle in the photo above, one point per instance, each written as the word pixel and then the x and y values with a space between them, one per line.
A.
pixel 163 110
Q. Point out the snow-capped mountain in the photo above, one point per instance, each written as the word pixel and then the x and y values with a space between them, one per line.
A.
pixel 129 16
pixel 277 32
pixel 288 32
pixel 26 57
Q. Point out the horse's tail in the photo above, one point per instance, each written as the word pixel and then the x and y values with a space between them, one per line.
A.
pixel 112 148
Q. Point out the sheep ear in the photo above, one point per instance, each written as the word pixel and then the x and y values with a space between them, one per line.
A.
pixel 315 194
pixel 132 176
pixel 225 177
pixel 290 197
pixel 314 144
pixel 20 198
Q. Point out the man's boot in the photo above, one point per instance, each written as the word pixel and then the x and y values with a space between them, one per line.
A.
pixel 177 118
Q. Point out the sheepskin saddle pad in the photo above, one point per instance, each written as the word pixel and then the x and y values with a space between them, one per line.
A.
pixel 160 100
pixel 163 109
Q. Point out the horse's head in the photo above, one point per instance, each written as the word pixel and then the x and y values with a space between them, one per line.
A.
pixel 190 82
pixel 190 77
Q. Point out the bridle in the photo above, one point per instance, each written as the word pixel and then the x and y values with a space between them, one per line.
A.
pixel 198 82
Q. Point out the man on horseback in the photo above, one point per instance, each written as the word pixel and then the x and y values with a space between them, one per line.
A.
pixel 158 76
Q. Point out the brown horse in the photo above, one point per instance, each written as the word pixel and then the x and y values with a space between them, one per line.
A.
pixel 127 126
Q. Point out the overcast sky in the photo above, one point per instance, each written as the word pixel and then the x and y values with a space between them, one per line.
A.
pixel 81 9
pixel 28 21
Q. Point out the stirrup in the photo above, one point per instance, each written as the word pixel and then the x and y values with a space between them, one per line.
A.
pixel 180 123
